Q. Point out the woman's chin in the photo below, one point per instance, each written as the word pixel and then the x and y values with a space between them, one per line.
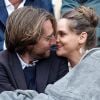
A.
pixel 59 53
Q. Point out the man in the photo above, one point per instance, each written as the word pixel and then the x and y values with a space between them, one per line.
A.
pixel 29 35
pixel 8 6
pixel 68 5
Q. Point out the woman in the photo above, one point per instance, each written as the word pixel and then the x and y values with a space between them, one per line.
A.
pixel 76 34
pixel 75 40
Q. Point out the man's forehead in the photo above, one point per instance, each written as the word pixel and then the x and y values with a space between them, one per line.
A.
pixel 46 24
pixel 47 28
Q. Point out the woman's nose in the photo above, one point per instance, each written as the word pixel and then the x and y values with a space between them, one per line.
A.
pixel 57 38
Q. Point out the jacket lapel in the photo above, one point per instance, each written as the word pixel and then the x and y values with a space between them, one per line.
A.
pixel 42 72
pixel 17 71
pixel 3 12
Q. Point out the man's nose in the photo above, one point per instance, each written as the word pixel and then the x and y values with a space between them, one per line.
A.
pixel 53 41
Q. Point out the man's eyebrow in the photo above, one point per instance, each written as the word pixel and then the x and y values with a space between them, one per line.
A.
pixel 50 34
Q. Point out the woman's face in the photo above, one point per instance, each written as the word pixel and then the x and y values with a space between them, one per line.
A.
pixel 67 40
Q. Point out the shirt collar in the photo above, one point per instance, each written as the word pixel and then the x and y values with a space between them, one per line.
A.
pixel 25 64
pixel 69 66
pixel 7 3
pixel 10 8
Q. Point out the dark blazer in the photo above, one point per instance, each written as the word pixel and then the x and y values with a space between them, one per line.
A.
pixel 46 4
pixel 12 77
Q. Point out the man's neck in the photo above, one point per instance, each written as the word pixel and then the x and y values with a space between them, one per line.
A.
pixel 26 58
pixel 15 3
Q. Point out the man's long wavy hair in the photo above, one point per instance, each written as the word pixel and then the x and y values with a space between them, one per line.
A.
pixel 24 27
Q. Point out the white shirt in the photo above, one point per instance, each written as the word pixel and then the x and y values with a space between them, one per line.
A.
pixel 69 66
pixel 10 8
pixel 25 64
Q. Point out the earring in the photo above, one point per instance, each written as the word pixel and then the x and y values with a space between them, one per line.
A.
pixel 81 50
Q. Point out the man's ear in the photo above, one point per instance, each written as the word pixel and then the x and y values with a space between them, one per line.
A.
pixel 83 38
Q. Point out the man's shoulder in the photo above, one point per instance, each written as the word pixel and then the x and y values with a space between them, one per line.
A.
pixel 5 55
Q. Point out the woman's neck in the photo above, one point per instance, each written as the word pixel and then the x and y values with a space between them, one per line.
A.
pixel 75 58
pixel 73 61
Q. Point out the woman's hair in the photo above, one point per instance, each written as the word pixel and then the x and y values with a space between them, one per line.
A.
pixel 84 19
pixel 24 27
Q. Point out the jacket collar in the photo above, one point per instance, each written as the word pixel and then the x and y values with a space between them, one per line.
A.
pixel 17 71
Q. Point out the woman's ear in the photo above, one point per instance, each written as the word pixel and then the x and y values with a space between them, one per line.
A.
pixel 83 38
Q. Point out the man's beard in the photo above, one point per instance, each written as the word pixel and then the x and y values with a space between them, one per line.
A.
pixel 40 55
